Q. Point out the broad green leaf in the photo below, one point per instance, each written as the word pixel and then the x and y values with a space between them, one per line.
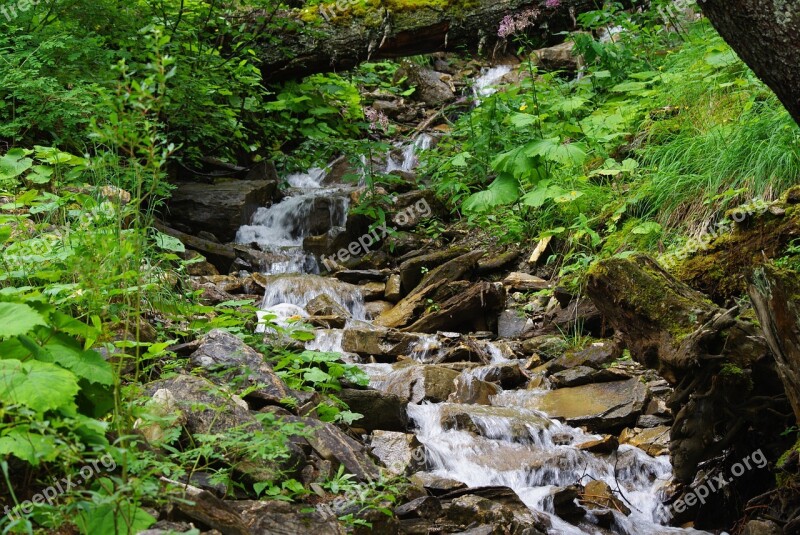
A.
pixel 650 227
pixel 14 163
pixel 18 318
pixel 40 386
pixel 89 365
pixel 504 190
pixel 316 376
pixel 568 196
pixel 629 87
pixel 118 518
pixel 169 243
pixel 460 160
pixel 32 448
pixel 521 120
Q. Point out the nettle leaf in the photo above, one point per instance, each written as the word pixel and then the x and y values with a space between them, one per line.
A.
pixel 553 150
pixel 504 190
pixel 521 120
pixel 32 448
pixel 88 365
pixel 543 192
pixel 18 318
pixel 40 386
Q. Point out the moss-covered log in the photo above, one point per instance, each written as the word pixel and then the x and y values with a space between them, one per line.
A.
pixel 724 382
pixel 339 35
pixel 722 266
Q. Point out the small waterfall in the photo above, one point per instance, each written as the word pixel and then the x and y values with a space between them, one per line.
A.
pixel 408 154
pixel 484 84
pixel 300 289
pixel 309 208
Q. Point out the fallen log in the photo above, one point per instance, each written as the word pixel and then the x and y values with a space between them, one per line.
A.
pixel 339 35
pixel 718 362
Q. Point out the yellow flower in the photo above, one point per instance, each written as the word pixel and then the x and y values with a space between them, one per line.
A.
pixel 523 107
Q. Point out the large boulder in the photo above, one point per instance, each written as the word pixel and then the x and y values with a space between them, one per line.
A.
pixel 400 453
pixel 225 357
pixel 379 410
pixel 416 384
pixel 220 207
pixel 413 269
pixel 600 407
pixel 383 344
pixel 460 313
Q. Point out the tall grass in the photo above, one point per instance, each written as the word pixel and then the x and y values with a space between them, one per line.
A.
pixel 730 140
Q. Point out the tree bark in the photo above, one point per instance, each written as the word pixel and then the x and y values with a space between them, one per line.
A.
pixel 332 39
pixel 765 35
pixel 774 295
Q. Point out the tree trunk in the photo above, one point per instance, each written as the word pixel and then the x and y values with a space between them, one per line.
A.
pixel 331 39
pixel 765 35
pixel 775 299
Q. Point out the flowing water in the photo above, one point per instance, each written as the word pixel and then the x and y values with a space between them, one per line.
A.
pixel 512 444
pixel 485 84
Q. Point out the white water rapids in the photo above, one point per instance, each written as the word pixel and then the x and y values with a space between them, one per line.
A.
pixel 515 446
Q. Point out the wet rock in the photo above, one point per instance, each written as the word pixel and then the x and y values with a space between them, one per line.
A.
pixel 560 57
pixel 547 346
pixel 413 269
pixel 416 384
pixel 654 441
pixel 373 290
pixel 473 391
pixel 197 265
pixel 583 375
pixel 425 507
pixel 600 407
pixel 565 502
pixel 375 308
pixel 463 312
pixel 393 292
pixel 452 270
pixel 484 420
pixel 436 485
pixel 513 323
pixel 433 88
pixel 598 495
pixel 325 305
pixel 607 444
pixel 650 420
pixel 594 356
pixel 498 507
pixel 524 282
pixel 203 407
pixel 383 344
pixel 224 357
pixel 333 445
pixel 362 276
pixel 400 453
pixel 221 207
pixel 762 527
pixel 508 374
pixel 409 209
pixel 282 518
pixel 379 409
